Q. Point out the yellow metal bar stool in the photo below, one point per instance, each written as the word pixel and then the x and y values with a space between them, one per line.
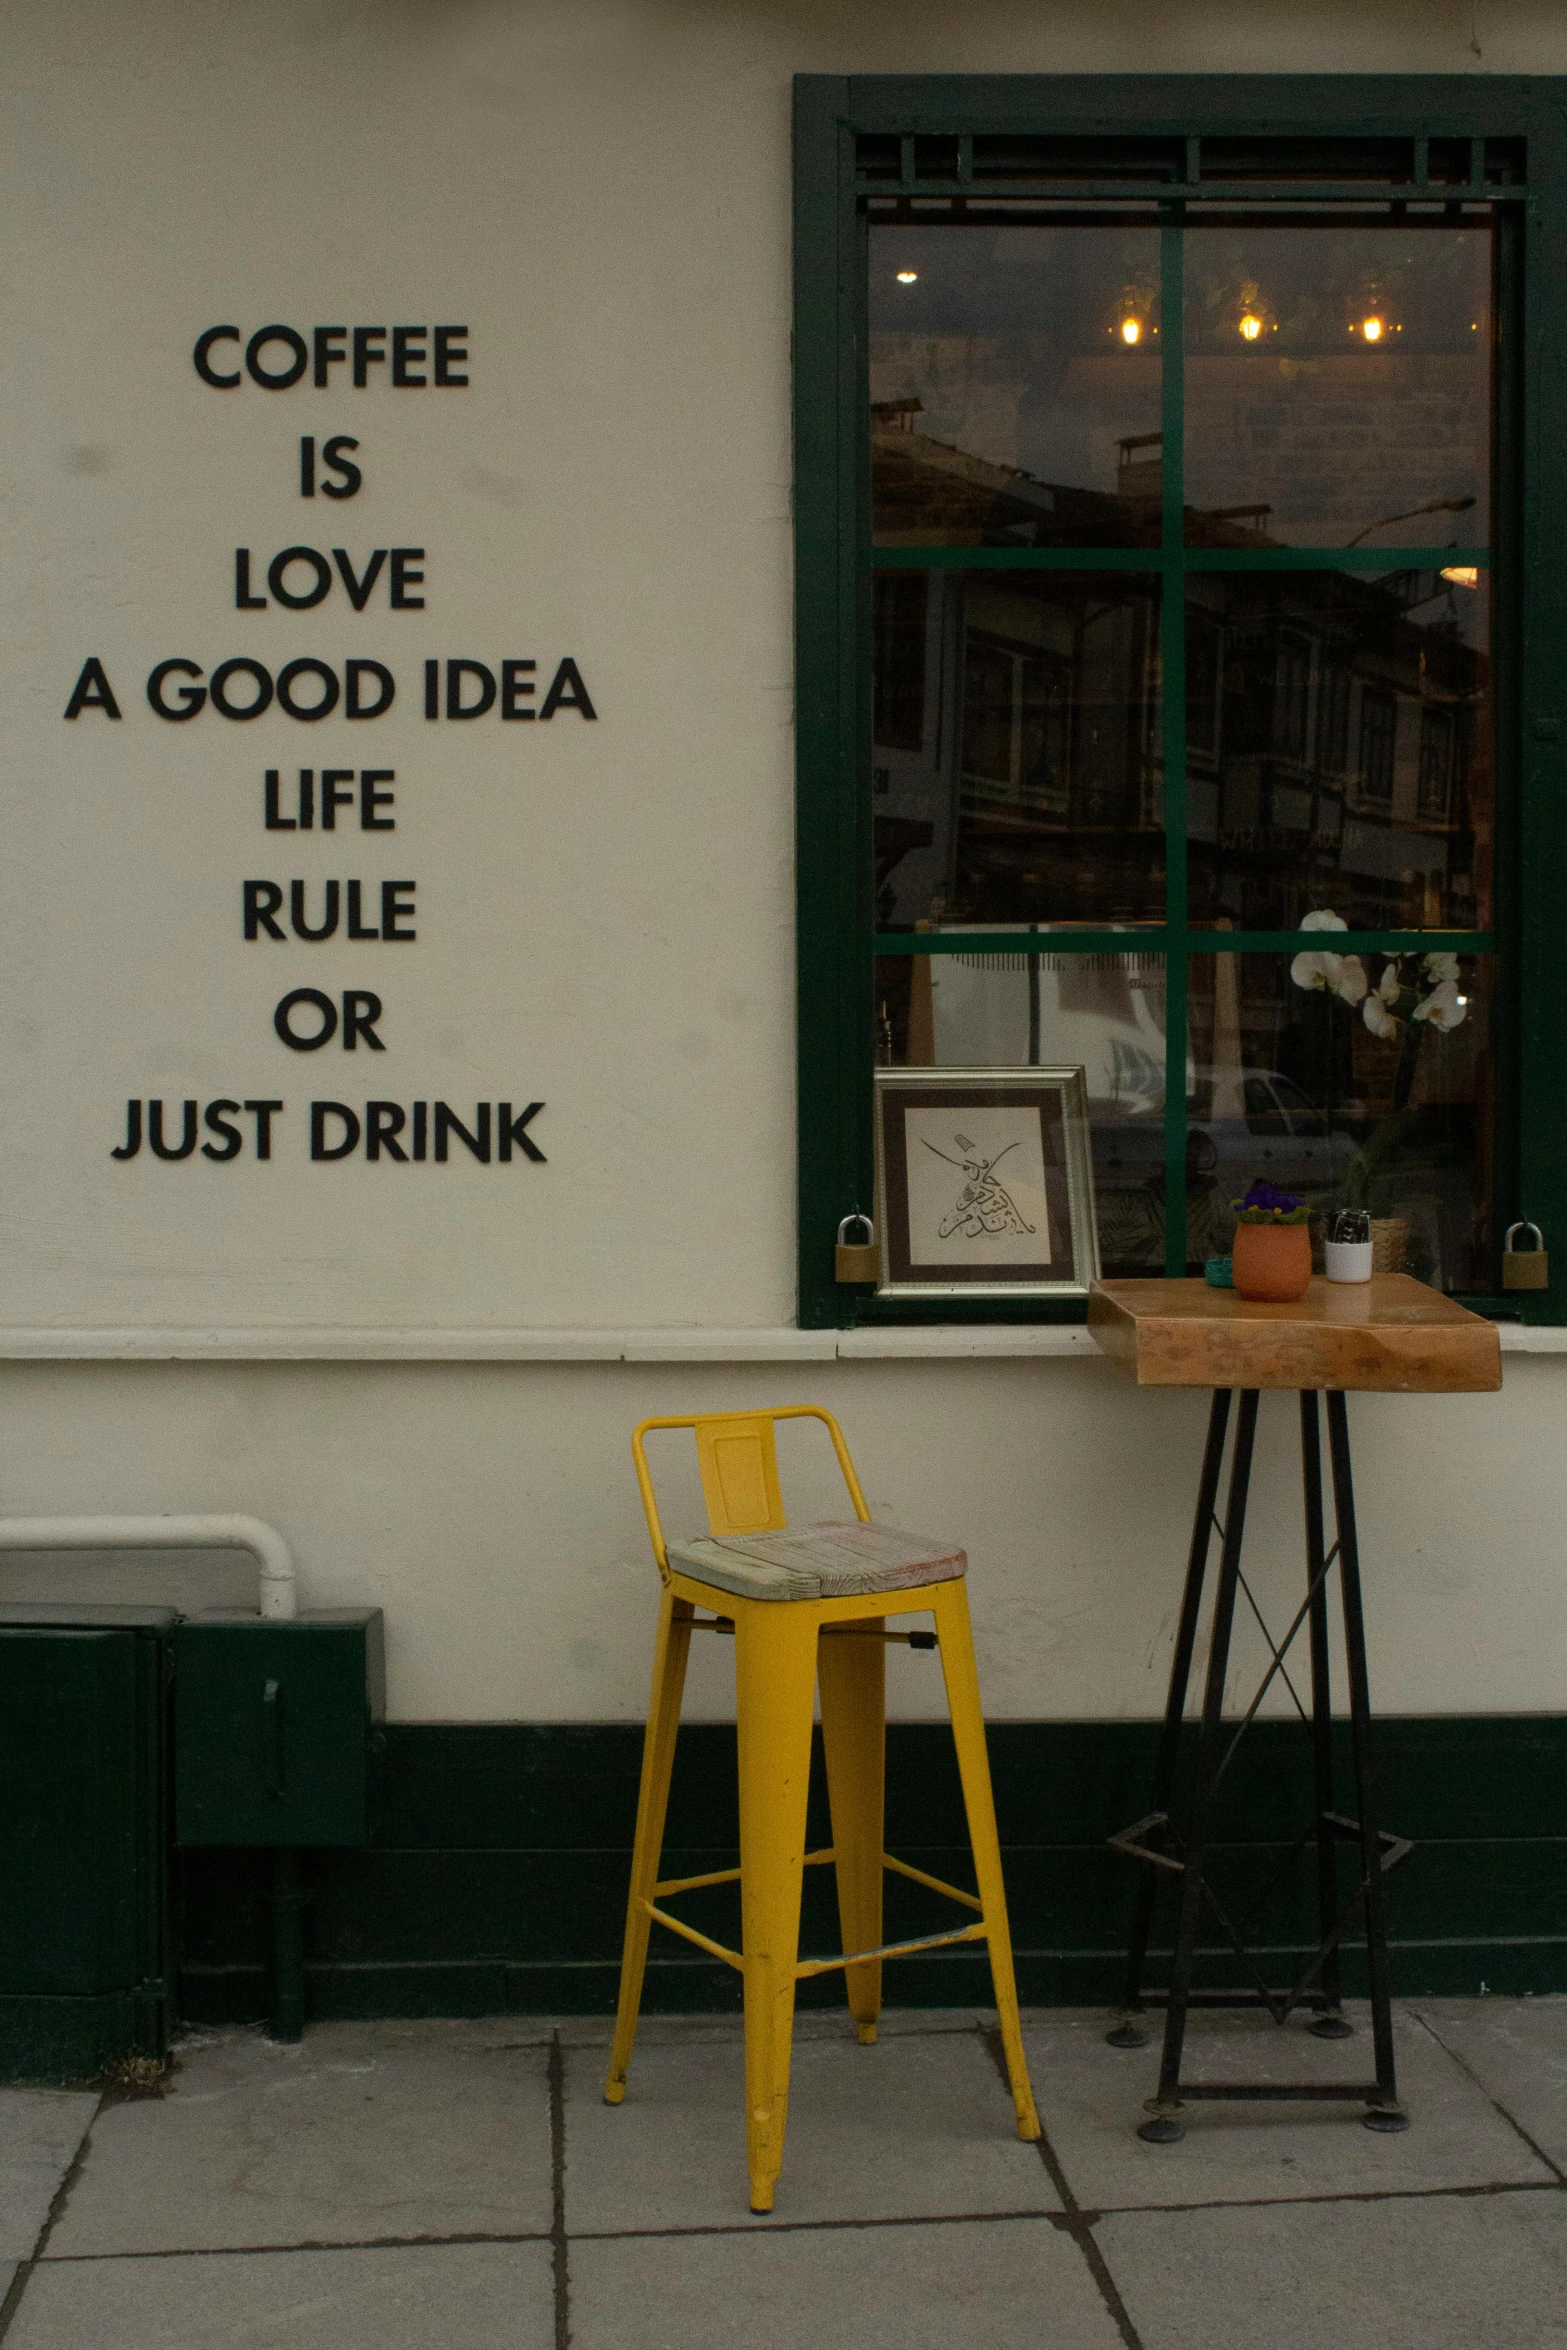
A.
pixel 807 1606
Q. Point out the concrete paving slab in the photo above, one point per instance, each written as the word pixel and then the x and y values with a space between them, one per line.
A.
pixel 989 2286
pixel 1459 2272
pixel 362 2131
pixel 913 2128
pixel 420 2297
pixel 1517 2050
pixel 1091 2100
pixel 40 2131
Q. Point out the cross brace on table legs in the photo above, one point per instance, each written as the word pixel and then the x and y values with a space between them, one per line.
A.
pixel 1164 1850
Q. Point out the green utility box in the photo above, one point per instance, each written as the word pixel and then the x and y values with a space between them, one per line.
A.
pixel 84 1838
pixel 273 1723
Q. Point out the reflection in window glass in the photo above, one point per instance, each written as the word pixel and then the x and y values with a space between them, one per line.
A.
pixel 1017 763
pixel 1104 1014
pixel 1339 749
pixel 1014 383
pixel 1338 386
pixel 1356 1081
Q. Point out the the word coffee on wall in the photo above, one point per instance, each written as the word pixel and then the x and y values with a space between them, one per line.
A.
pixel 339 824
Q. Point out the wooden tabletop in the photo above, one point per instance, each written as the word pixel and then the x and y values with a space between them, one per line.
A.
pixel 1390 1332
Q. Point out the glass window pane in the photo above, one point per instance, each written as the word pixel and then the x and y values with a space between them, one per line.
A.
pixel 1356 1081
pixel 1338 386
pixel 1104 1014
pixel 1014 383
pixel 1017 767
pixel 1339 748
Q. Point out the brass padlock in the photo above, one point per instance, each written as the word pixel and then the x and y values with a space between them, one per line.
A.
pixel 1525 1268
pixel 858 1260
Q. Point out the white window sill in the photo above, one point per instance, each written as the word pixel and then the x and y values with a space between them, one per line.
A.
pixel 952 1341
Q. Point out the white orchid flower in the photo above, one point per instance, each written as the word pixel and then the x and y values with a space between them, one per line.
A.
pixel 1388 986
pixel 1377 1017
pixel 1352 982
pixel 1324 921
pixel 1441 968
pixel 1444 1007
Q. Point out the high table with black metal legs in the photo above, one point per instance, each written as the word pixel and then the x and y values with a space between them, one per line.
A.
pixel 1389 1334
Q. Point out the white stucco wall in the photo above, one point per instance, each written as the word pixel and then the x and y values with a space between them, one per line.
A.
pixel 602 192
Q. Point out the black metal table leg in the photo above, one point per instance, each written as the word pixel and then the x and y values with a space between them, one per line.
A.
pixel 1332 2023
pixel 1128 2033
pixel 1162 2128
pixel 1384 2113
pixel 1157 1840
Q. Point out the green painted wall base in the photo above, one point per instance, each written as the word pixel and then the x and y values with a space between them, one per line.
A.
pixel 495 1879
pixel 77 2039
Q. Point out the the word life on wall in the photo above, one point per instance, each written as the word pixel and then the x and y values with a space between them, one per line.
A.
pixel 276 908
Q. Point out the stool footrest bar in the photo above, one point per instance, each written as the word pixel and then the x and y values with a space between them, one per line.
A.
pixel 824 1966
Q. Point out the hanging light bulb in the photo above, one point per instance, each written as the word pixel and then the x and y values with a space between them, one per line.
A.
pixel 1251 326
pixel 908 277
pixel 1131 330
pixel 1373 328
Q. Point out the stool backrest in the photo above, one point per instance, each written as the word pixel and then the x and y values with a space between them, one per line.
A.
pixel 737 1454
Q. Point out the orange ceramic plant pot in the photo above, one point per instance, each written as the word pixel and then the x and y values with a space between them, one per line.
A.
pixel 1271 1263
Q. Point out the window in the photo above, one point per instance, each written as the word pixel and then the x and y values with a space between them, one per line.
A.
pixel 1171 704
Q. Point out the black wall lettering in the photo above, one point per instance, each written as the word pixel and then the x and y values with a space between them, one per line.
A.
pixel 384 1121
pixel 191 697
pixel 358 673
pixel 319 568
pixel 358 589
pixel 282 1020
pixel 320 1112
pixel 372 798
pixel 278 379
pixel 404 577
pixel 408 344
pixel 567 692
pixel 450 354
pixel 92 691
pixel 329 912
pixel 336 462
pixel 515 685
pixel 361 1011
pixel 262 900
pixel 203 357
pixel 187 1141
pixel 263 1114
pixel 511 1131
pixel 217 1117
pixel 447 1122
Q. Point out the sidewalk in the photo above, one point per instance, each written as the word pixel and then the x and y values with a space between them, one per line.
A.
pixel 459 2186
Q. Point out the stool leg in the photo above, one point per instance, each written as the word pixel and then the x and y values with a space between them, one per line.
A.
pixel 775 1680
pixel 670 1650
pixel 950 1601
pixel 852 1677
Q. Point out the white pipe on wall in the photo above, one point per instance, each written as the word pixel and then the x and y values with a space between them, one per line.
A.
pixel 279 1599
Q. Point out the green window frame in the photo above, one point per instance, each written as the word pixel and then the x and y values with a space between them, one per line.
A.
pixel 1168 140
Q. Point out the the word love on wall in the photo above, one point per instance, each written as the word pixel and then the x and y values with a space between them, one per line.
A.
pixel 338 791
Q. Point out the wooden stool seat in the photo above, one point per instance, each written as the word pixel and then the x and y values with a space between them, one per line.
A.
pixel 842 1581
pixel 832 1561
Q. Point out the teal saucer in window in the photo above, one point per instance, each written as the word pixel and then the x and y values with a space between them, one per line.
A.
pixel 1217 1273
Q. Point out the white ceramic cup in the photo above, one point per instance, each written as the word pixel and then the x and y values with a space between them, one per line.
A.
pixel 1347 1260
